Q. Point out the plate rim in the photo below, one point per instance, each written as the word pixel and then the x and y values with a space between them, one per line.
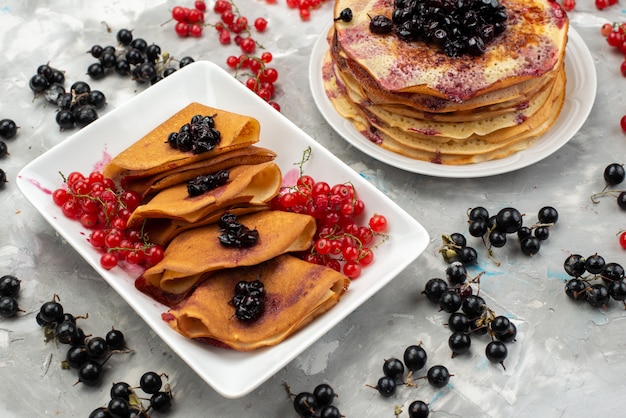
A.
pixel 585 94
pixel 185 348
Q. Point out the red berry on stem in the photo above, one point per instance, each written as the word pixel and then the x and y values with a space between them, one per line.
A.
pixel 622 123
pixel 182 29
pixel 108 261
pixel 247 45
pixel 260 24
pixel 200 5
pixel 180 13
pixel 195 30
pixel 378 223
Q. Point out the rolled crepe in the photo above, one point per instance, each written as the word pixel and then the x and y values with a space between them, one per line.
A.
pixel 254 184
pixel 152 154
pixel 194 253
pixel 296 292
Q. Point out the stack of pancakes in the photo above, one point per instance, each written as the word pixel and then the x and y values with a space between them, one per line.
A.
pixel 414 100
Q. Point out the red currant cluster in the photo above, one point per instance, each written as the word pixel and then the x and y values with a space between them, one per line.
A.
pixel 232 25
pixel 304 6
pixel 94 201
pixel 260 79
pixel 341 242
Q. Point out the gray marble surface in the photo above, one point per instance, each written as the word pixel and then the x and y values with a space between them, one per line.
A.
pixel 568 359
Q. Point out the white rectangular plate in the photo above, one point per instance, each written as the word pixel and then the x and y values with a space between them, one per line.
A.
pixel 232 374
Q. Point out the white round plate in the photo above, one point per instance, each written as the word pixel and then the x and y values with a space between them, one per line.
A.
pixel 579 98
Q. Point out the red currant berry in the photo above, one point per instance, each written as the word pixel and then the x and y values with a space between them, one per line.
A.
pixel 352 269
pixel 569 5
pixel 615 39
pixel 350 253
pixel 247 45
pixel 88 220
pixel 267 57
pixel 305 14
pixel 195 16
pixel 252 83
pixel 182 29
pixel 232 61
pixel 264 94
pixel 200 5
pixel 154 254
pixel 322 246
pixel 228 17
pixel 260 24
pixel 71 209
pixel 606 29
pixel 221 6
pixel 180 13
pixel 269 74
pixel 275 105
pixel 378 223
pixel 224 37
pixel 195 30
pixel 108 261
pixel 60 196
pixel 96 238
pixel 602 4
pixel 333 263
pixel 366 257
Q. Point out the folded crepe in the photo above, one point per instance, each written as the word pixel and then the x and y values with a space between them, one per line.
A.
pixel 296 292
pixel 252 184
pixel 152 154
pixel 242 156
pixel 162 231
pixel 192 255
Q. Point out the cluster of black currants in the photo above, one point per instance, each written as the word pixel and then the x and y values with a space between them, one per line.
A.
pixel 8 130
pixel 318 403
pixel 204 183
pixel 457 28
pixel 9 289
pixel 197 136
pixel 249 300
pixel 413 360
pixel 494 230
pixel 86 354
pixel 134 57
pixel 77 107
pixel 235 234
pixel 126 403
pixel 614 174
pixel 594 280
pixel 469 314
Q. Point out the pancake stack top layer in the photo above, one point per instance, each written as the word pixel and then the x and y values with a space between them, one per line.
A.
pixel 414 99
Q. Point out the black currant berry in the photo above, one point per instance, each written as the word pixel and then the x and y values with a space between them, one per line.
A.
pixel 8 306
pixel 524 232
pixel 614 174
pixel 478 213
pixel 477 228
pixel 415 357
pixel 100 412
pixel 450 301
pixel 456 273
pixel 595 264
pixel 548 215
pixel 90 373
pixel 467 255
pixel 305 403
pixel 621 200
pixel 115 339
pixel 597 295
pixel 345 15
pixel 8 128
pixel 459 342
pixel 97 347
pixel 612 271
pixel 617 290
pixel 386 386
pixel 150 382
pixel 9 285
pixel 330 411
pixel 380 24
pixel 76 356
pixel 508 335
pixel 458 321
pixel 496 351
pixel 434 289
pixel 542 233
pixel 575 289
pixel 530 246
pixel 509 220
pixel 161 401
pixel 119 407
pixel 124 37
pixel 497 238
pixel 473 306
pixel 121 390
pixel 393 368
pixel 324 394
pixel 51 311
pixel 574 265
pixel 438 376
pixel 500 324
pixel 418 409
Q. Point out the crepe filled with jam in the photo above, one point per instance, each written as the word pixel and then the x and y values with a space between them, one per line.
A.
pixel 294 292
